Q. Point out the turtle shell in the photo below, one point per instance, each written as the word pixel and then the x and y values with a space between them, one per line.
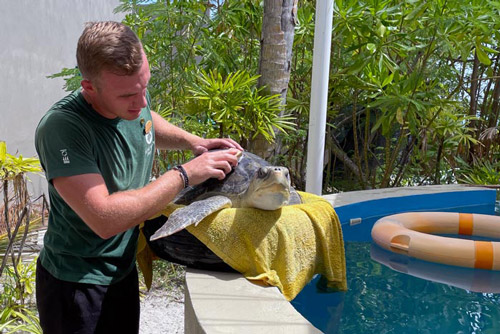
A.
pixel 236 182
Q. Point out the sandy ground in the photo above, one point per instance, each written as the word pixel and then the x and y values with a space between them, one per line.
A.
pixel 162 312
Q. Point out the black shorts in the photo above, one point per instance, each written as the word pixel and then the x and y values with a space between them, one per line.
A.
pixel 68 307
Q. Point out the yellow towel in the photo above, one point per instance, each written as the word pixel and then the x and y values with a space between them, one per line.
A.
pixel 283 248
pixel 145 257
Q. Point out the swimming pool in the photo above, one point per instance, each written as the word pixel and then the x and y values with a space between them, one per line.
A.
pixel 391 293
pixel 228 303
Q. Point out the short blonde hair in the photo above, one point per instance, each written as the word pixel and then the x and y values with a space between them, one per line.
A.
pixel 110 46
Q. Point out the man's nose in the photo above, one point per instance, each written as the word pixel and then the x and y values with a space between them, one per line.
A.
pixel 141 101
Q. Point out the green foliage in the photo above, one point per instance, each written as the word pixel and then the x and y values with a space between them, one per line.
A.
pixel 198 48
pixel 181 37
pixel 234 106
pixel 19 284
pixel 481 172
pixel 18 313
pixel 12 166
pixel 232 38
pixel 169 32
pixel 18 310
pixel 404 65
pixel 71 76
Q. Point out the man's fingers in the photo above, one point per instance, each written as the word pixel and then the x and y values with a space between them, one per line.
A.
pixel 231 156
pixel 223 162
pixel 235 156
pixel 221 175
pixel 212 164
pixel 236 145
pixel 222 143
pixel 236 152
pixel 225 166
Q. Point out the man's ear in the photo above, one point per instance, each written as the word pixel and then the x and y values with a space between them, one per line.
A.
pixel 88 86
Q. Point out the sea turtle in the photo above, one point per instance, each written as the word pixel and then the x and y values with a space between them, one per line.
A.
pixel 253 183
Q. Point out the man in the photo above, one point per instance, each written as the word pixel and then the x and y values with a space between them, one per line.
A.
pixel 96 146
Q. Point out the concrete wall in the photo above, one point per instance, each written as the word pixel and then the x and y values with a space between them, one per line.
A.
pixel 37 39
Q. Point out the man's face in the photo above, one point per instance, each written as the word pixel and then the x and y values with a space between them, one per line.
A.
pixel 120 96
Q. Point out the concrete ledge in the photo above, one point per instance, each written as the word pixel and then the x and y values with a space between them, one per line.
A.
pixel 228 303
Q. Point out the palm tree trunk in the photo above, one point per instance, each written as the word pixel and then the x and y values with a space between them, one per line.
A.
pixel 280 17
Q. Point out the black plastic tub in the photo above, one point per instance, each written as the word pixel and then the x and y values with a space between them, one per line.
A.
pixel 183 248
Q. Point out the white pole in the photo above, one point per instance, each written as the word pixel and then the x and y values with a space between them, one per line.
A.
pixel 319 96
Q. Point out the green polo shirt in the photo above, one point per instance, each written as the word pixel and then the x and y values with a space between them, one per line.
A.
pixel 72 139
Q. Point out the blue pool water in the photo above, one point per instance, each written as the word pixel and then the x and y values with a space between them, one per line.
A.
pixel 391 293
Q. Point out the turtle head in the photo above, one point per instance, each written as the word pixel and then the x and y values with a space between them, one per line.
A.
pixel 269 188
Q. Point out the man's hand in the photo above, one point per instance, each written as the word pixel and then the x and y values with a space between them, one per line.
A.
pixel 215 164
pixel 203 145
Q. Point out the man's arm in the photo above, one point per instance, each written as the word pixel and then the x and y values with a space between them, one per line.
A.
pixel 169 136
pixel 109 214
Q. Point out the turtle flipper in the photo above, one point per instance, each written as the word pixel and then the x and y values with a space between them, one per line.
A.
pixel 191 214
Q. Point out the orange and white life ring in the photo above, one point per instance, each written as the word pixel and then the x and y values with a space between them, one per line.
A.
pixel 412 234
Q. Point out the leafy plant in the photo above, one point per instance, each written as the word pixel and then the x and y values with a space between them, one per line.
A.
pixel 234 106
pixel 481 172
pixel 17 278
pixel 12 166
pixel 71 76
pixel 16 300
pixel 399 70
pixel 19 283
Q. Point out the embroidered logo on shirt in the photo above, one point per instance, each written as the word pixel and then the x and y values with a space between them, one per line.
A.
pixel 149 138
pixel 148 135
pixel 149 141
pixel 65 158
